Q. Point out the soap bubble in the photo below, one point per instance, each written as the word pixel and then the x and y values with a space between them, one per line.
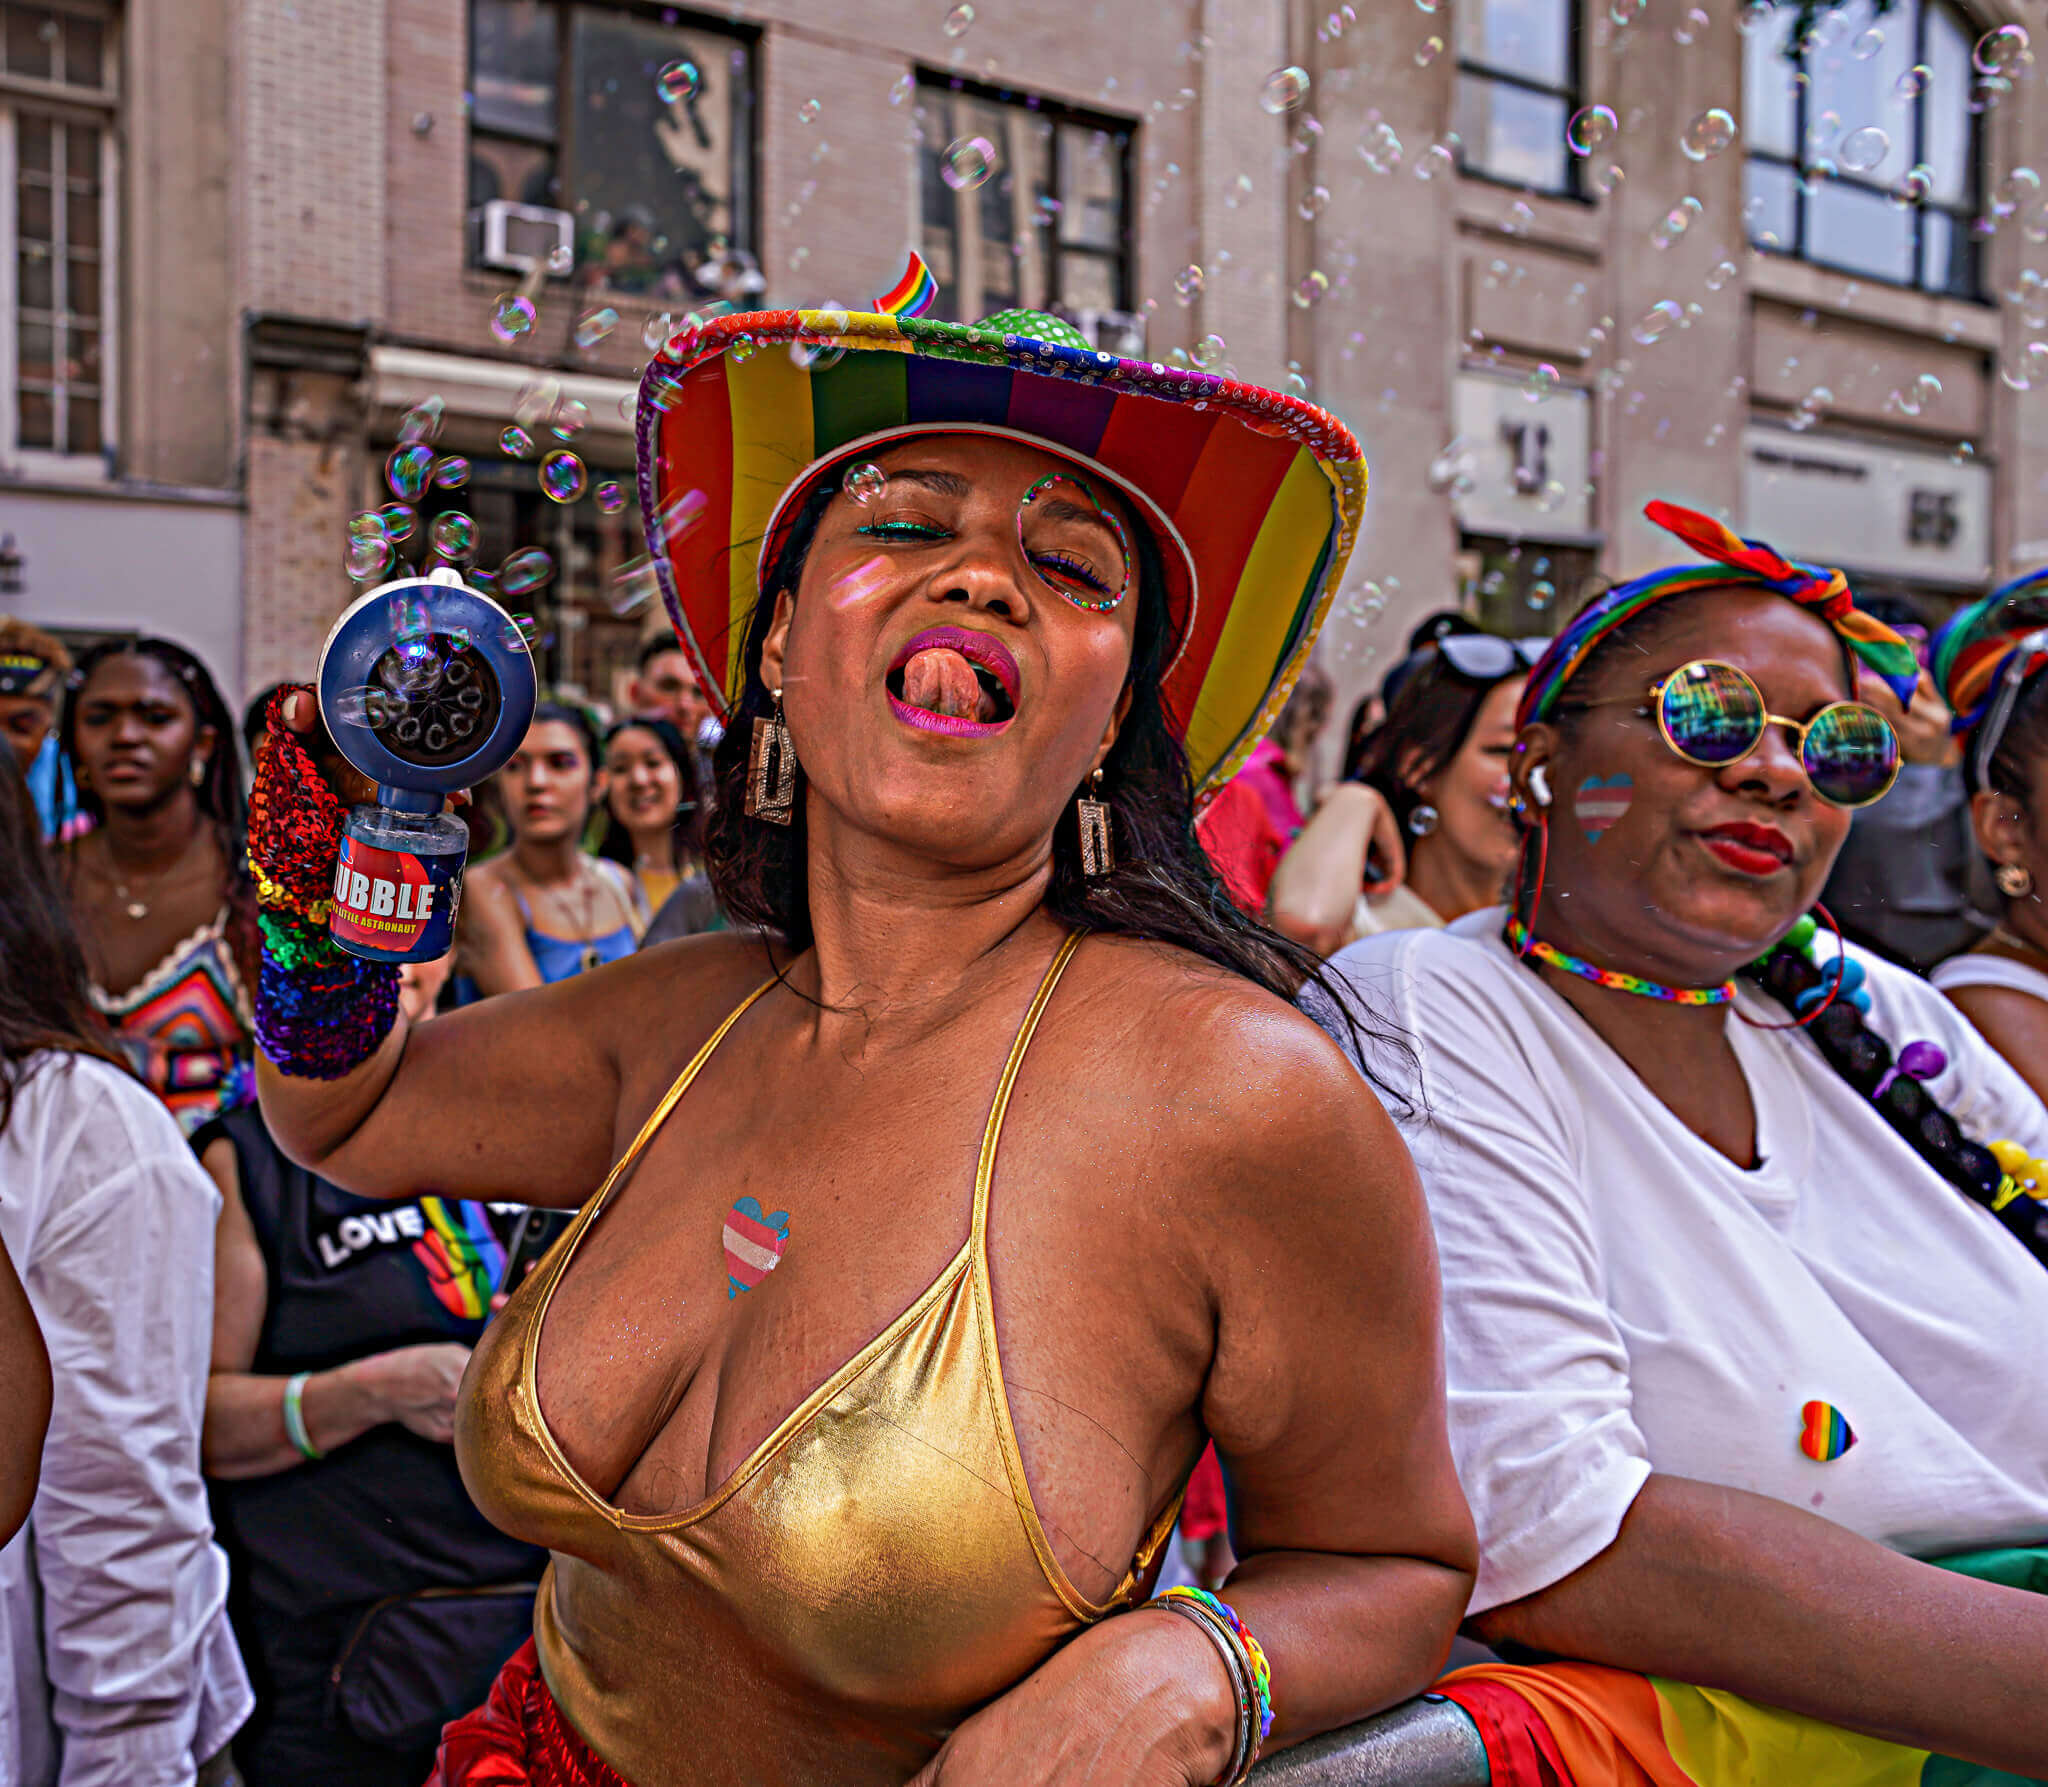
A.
pixel 744 348
pixel 2020 187
pixel 524 571
pixel 1720 276
pixel 865 483
pixel 678 81
pixel 453 535
pixel 1752 16
pixel 633 585
pixel 1914 186
pixel 368 525
pixel 517 442
pixel 1866 43
pixel 681 514
pixel 571 417
pixel 1284 90
pixel 1428 50
pixel 1208 353
pixel 1913 82
pixel 536 402
pixel 451 472
pixel 1863 149
pixel 1655 321
pixel 1626 12
pixel 406 471
pixel 368 558
pixel 1690 28
pixel 399 521
pixel 2029 370
pixel 958 19
pixel 1312 202
pixel 594 325
pixel 1436 159
pixel 1608 181
pixel 2001 51
pixel 562 478
pixel 1187 284
pixel 807 113
pixel 1309 289
pixel 655 330
pixel 968 164
pixel 1541 593
pixel 1675 222
pixel 511 316
pixel 1707 135
pixel 1540 383
pixel 1590 127
pixel 611 496
pixel 422 422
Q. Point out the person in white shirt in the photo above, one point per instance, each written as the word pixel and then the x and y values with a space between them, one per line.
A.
pixel 1732 1338
pixel 117 1664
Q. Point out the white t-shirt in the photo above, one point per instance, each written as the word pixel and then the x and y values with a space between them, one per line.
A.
pixel 1621 1298
pixel 117 1664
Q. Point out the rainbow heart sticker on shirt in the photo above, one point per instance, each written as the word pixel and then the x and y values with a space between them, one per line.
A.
pixel 1825 1433
pixel 753 1244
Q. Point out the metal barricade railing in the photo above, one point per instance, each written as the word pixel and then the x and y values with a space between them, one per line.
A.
pixel 1428 1742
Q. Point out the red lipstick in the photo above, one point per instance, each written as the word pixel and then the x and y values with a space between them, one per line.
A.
pixel 1748 848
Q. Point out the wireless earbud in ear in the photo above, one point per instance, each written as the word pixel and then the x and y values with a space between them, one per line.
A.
pixel 1539 786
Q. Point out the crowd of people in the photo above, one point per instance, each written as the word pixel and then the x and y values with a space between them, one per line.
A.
pixel 916 1122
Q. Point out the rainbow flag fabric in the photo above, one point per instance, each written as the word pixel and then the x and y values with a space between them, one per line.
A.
pixel 1582 1725
pixel 1259 494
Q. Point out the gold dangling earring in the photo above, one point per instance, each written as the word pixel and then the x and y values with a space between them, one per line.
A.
pixel 1097 855
pixel 2013 880
pixel 198 772
pixel 771 769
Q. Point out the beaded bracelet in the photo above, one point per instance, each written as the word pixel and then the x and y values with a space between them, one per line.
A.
pixel 320 1012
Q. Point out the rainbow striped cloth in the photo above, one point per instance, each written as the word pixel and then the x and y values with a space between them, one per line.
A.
pixel 1582 1725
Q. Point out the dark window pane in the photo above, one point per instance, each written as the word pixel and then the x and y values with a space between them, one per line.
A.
pixel 82 357
pixel 83 53
pixel 657 185
pixel 1767 209
pixel 1951 129
pixel 1525 37
pixel 82 155
pixel 1769 97
pixel 1091 187
pixel 82 286
pixel 1948 260
pixel 36 278
pixel 37 420
pixel 37 352
pixel 82 220
pixel 31 36
pixel 1512 134
pixel 1087 282
pixel 35 213
pixel 514 61
pixel 1862 231
pixel 32 142
pixel 83 419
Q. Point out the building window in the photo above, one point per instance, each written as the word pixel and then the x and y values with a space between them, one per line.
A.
pixel 1864 147
pixel 1518 85
pixel 57 102
pixel 1048 228
pixel 638 128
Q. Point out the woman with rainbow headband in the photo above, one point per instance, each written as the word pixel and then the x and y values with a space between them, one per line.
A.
pixel 1009 1174
pixel 1989 660
pixel 1738 1302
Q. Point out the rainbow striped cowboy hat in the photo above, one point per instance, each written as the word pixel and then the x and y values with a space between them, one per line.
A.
pixel 1253 498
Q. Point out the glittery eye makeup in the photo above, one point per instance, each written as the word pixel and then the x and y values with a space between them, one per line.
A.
pixel 1076 544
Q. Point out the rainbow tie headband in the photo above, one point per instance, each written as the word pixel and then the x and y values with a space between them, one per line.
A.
pixel 1735 561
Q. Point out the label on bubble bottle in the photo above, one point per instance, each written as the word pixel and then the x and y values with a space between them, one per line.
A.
pixel 394 905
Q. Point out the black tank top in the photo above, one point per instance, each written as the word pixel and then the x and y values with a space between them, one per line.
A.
pixel 387 1513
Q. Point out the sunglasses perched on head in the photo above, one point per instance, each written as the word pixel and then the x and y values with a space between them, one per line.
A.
pixel 1486 657
pixel 1713 714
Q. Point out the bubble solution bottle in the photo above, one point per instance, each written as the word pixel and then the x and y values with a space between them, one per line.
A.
pixel 427 687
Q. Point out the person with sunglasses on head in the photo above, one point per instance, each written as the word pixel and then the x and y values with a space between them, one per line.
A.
pixel 1435 776
pixel 1008 1174
pixel 1738 1243
pixel 1990 659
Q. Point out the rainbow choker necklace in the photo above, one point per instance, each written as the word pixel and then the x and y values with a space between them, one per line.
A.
pixel 1519 939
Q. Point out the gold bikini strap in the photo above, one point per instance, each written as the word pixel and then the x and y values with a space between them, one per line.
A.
pixel 985 1172
pixel 673 1096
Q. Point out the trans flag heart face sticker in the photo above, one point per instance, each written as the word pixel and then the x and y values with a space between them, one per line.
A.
pixel 753 1244
pixel 1600 804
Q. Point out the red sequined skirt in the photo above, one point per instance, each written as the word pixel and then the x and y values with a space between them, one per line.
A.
pixel 518 1738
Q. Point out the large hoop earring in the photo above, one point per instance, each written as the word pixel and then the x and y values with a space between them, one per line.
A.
pixel 771 769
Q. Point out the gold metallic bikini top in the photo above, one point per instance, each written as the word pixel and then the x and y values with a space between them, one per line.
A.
pixel 869 1576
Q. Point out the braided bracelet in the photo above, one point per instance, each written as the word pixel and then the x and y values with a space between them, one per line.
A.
pixel 320 1012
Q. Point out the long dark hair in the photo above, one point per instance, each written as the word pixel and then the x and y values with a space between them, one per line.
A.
pixel 44 1004
pixel 220 793
pixel 1163 887
pixel 1426 726
pixel 686 833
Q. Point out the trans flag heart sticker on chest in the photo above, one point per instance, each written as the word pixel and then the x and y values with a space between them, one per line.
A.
pixel 753 1244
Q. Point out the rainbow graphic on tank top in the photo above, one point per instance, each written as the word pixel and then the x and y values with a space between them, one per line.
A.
pixel 464 1259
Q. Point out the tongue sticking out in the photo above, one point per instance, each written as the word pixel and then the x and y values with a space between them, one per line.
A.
pixel 941 681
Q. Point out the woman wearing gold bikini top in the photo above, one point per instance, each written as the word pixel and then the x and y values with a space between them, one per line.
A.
pixel 1006 1173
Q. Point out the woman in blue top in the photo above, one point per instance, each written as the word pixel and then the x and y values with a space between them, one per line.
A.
pixel 545 910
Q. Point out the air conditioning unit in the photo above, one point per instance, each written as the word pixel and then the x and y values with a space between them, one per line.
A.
pixel 1120 332
pixel 521 238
